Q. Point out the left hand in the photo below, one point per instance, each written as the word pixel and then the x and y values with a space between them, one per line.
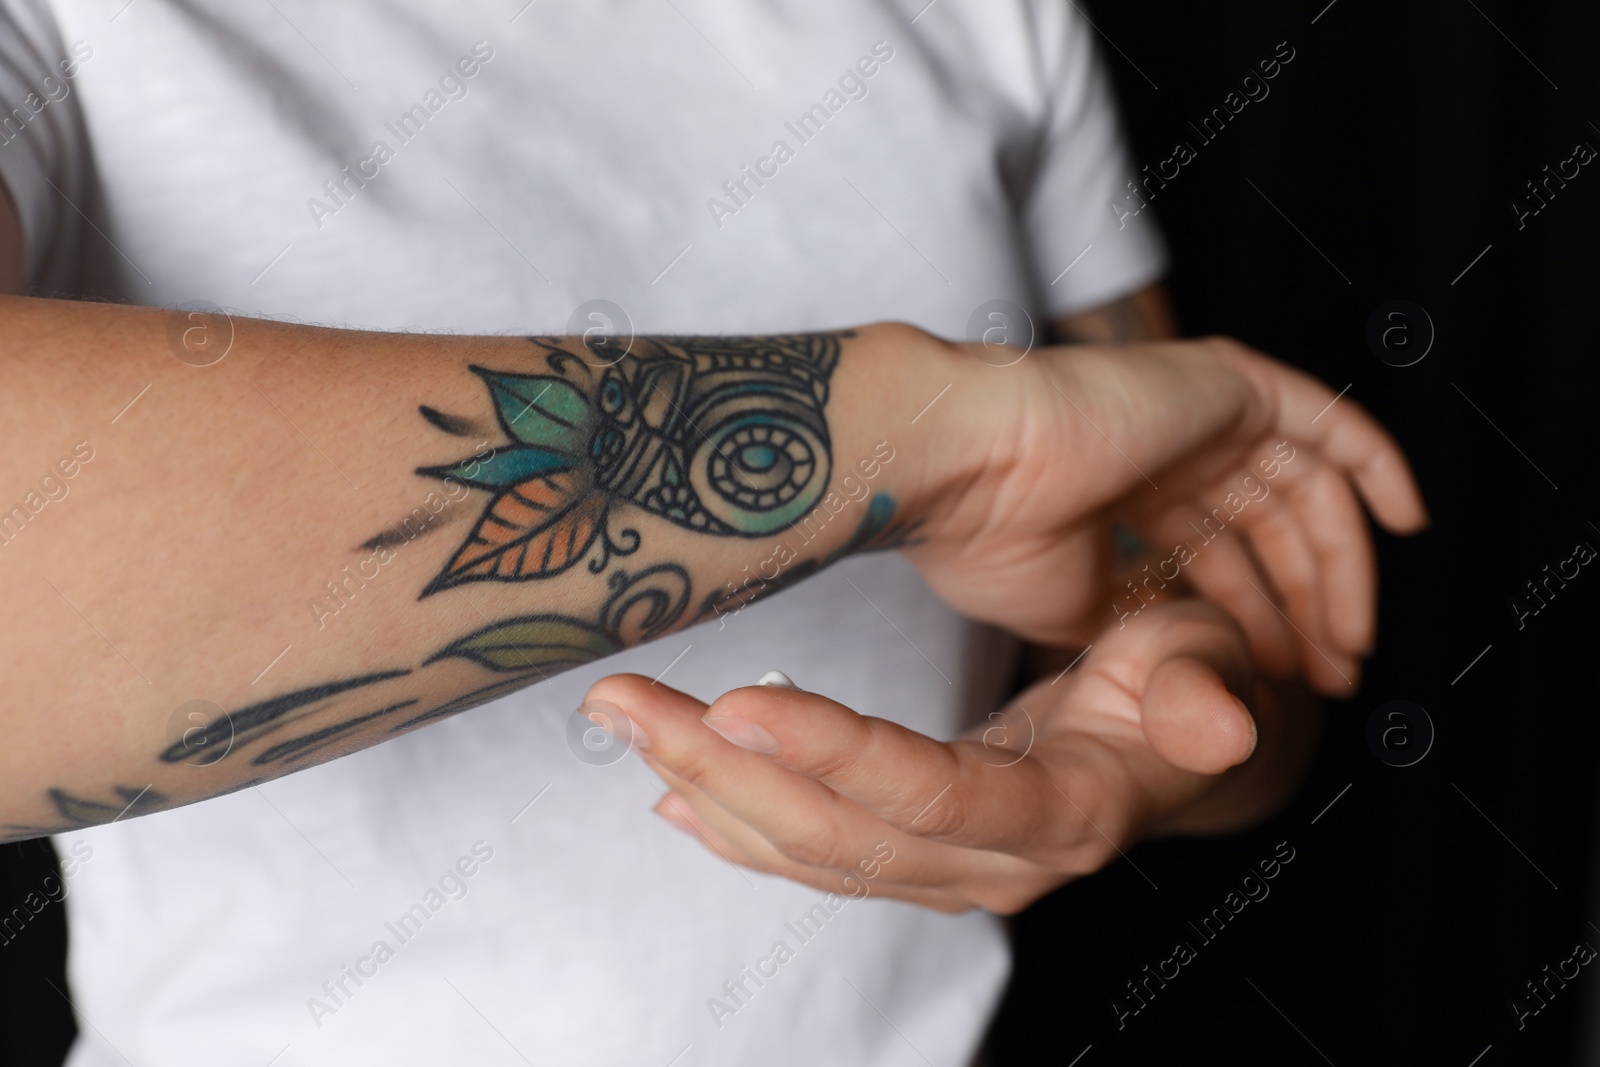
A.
pixel 1251 474
pixel 1149 735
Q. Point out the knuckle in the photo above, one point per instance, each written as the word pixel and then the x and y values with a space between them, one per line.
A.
pixel 1292 584
pixel 834 762
pixel 944 820
pixel 813 843
pixel 1299 591
pixel 692 766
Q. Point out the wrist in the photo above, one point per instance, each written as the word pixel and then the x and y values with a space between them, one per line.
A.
pixel 901 414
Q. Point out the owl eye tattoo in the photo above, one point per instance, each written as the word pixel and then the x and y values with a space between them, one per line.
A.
pixel 719 435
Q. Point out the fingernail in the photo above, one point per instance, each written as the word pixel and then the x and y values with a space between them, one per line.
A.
pixel 745 734
pixel 614 721
pixel 777 678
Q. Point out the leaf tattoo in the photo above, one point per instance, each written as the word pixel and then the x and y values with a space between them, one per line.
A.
pixel 640 607
pixel 720 435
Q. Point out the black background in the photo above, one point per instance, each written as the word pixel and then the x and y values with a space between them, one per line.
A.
pixel 1408 921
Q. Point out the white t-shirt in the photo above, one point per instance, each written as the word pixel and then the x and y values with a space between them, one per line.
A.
pixel 489 167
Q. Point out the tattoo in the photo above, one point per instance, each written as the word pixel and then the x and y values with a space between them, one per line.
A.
pixel 76 812
pixel 877 532
pixel 397 536
pixel 464 702
pixel 454 425
pixel 524 648
pixel 82 812
pixel 640 607
pixel 251 723
pixel 720 435
pixel 300 747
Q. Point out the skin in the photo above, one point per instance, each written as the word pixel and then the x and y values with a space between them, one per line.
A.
pixel 223 499
pixel 1164 728
pixel 1148 736
pixel 1143 315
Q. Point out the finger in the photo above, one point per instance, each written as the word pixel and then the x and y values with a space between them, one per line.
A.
pixel 1310 537
pixel 736 763
pixel 885 874
pixel 646 706
pixel 1192 721
pixel 675 810
pixel 1292 567
pixel 1343 433
pixel 1336 531
pixel 799 817
pixel 667 730
pixel 1222 570
pixel 1191 629
pixel 1276 525
pixel 1359 445
pixel 914 861
pixel 944 792
pixel 701 819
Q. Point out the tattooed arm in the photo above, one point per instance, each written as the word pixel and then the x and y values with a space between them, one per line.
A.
pixel 319 539
pixel 325 538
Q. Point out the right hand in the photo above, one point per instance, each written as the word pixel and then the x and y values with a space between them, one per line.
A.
pixel 1159 435
pixel 1164 729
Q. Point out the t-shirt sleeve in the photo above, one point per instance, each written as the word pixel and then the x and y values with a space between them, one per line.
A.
pixel 43 148
pixel 1087 248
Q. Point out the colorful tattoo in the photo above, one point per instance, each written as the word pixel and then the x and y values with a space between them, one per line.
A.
pixel 723 436
pixel 720 435
pixel 877 532
pixel 640 607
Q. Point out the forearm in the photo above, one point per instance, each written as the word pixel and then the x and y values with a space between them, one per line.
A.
pixel 331 537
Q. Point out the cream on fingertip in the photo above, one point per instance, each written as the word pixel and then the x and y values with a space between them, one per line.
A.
pixel 777 678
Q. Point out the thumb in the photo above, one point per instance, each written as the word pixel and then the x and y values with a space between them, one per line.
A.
pixel 640 712
pixel 1191 719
